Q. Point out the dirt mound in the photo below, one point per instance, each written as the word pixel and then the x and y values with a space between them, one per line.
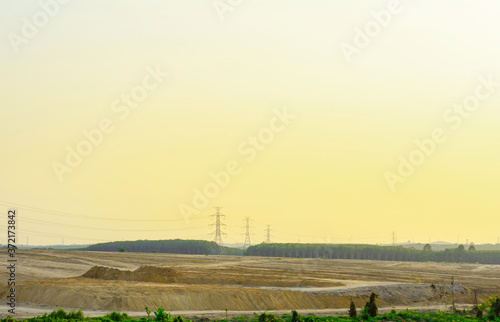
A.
pixel 107 273
pixel 144 273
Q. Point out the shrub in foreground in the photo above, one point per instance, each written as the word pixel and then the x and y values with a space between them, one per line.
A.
pixel 371 308
pixel 352 310
pixel 117 317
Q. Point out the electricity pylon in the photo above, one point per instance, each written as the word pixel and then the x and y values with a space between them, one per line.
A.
pixel 218 228
pixel 247 234
pixel 268 234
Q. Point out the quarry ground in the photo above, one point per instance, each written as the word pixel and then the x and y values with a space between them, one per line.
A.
pixel 207 285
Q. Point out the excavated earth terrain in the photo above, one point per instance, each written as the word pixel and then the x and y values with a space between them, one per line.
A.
pixel 103 282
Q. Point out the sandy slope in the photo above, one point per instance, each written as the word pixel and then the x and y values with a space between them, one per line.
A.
pixel 121 295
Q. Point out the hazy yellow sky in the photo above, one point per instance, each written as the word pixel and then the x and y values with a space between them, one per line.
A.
pixel 361 82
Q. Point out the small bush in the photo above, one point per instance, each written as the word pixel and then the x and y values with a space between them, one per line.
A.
pixel 116 316
pixel 264 317
pixel 105 319
pixel 477 312
pixel 179 319
pixel 75 315
pixel 495 307
pixel 364 314
pixel 59 314
pixel 352 310
pixel 161 315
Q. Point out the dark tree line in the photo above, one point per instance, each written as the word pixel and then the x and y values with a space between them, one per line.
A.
pixel 174 246
pixel 372 252
pixel 368 252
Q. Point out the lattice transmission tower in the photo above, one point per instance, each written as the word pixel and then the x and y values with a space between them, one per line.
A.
pixel 218 233
pixel 247 233
pixel 268 234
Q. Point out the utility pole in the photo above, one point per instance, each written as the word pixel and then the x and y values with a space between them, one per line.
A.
pixel 247 233
pixel 268 233
pixel 453 294
pixel 218 230
pixel 393 238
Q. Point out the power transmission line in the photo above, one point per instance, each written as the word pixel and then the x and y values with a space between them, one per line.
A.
pixel 73 215
pixel 106 229
pixel 247 233
pixel 32 232
pixel 268 234
pixel 44 213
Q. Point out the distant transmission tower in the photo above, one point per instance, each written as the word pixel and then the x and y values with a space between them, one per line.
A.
pixel 268 234
pixel 218 224
pixel 247 233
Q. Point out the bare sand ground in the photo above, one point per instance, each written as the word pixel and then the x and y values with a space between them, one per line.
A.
pixel 50 279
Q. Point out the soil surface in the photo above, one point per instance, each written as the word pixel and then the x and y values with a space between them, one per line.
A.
pixel 100 282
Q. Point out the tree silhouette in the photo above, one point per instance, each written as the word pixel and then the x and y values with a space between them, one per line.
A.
pixel 352 310
pixel 371 306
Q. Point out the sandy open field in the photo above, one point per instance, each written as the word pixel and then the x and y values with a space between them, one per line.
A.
pixel 189 284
